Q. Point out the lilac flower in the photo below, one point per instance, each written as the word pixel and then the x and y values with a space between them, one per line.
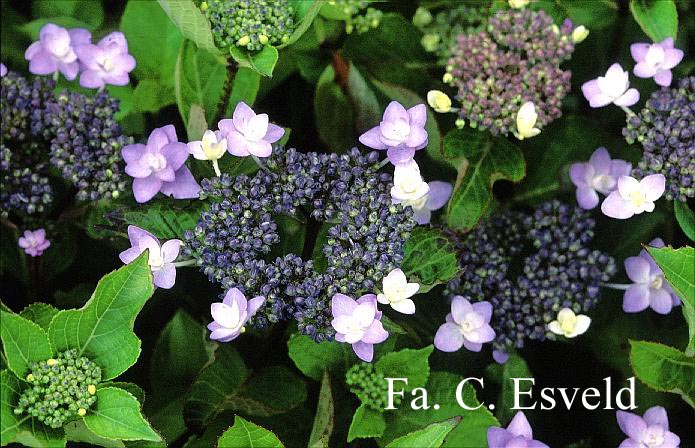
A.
pixel 55 51
pixel 248 133
pixel 160 166
pixel 401 132
pixel 358 322
pixel 34 242
pixel 650 288
pixel 437 196
pixel 600 174
pixel 634 197
pixel 649 431
pixel 517 435
pixel 467 325
pixel 614 88
pixel 656 60
pixel 107 62
pixel 161 257
pixel 3 70
pixel 232 314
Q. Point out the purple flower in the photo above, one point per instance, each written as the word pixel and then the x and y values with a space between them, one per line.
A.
pixel 34 242
pixel 401 132
pixel 248 133
pixel 3 70
pixel 467 325
pixel 55 51
pixel 518 434
pixel 437 196
pixel 600 174
pixel 614 88
pixel 107 62
pixel 232 314
pixel 634 197
pixel 500 356
pixel 656 60
pixel 160 166
pixel 358 322
pixel 649 431
pixel 650 288
pixel 161 257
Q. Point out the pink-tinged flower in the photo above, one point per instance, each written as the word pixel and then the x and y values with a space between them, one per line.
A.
pixel 232 314
pixel 55 51
pixel 656 60
pixel 160 166
pixel 599 175
pixel 634 197
pixel 614 88
pixel 649 288
pixel 107 62
pixel 248 133
pixel 358 322
pixel 467 325
pixel 3 70
pixel 649 431
pixel 437 196
pixel 161 257
pixel 401 132
pixel 518 434
pixel 34 242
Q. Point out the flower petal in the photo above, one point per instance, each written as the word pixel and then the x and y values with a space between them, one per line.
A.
pixel 663 77
pixel 587 198
pixel 660 300
pixel 637 269
pixel 628 98
pixel 184 185
pixel 656 416
pixel 418 115
pixel 170 250
pixel 615 207
pixel 654 186
pixel 439 194
pixel 146 188
pixel 631 424
pixel 364 351
pixel 672 58
pixel 375 334
pixel 372 138
pixel 484 309
pixel 394 112
pixel 448 338
pixel 405 306
pixel 639 51
pixel 165 277
pixel 519 426
pixel 636 298
pixel 274 133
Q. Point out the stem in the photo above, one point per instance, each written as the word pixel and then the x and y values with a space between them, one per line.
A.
pixel 184 263
pixel 383 163
pixel 627 111
pixel 216 167
pixel 618 286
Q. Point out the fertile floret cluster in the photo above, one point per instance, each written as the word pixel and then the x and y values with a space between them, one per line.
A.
pixel 61 389
pixel 358 16
pixel 365 381
pixel 515 61
pixel 364 242
pixel 441 30
pixel 666 130
pixel 249 23
pixel 530 266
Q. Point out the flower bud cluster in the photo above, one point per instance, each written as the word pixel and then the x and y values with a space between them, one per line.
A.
pixel 360 17
pixel 250 23
pixel 365 381
pixel 441 30
pixel 530 266
pixel 666 130
pixel 60 389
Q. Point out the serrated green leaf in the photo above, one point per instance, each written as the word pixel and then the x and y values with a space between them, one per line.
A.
pixel 245 434
pixel 664 368
pixel 151 95
pixel 366 423
pixel 323 418
pixel 657 18
pixel 191 22
pixel 132 388
pixel 116 415
pixel 407 363
pixel 39 313
pixel 164 222
pixel 429 258
pixel 23 342
pixel 482 160
pixel 262 61
pixel 313 358
pixel 77 431
pixel 431 436
pixel 686 218
pixel 102 329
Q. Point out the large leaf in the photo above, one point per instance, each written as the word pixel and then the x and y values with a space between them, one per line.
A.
pixel 313 358
pixel 245 434
pixel 244 88
pixel 482 160
pixel 657 18
pixel 77 431
pixel 429 258
pixel 334 113
pixel 305 13
pixel 431 436
pixel 163 221
pixel 366 423
pixel 39 313
pixel 23 342
pixel 686 218
pixel 191 22
pixel 117 416
pixel 664 368
pixel 323 418
pixel 595 14
pixel 262 61
pixel 102 329
pixel 407 363
pixel 88 11
pixel 150 95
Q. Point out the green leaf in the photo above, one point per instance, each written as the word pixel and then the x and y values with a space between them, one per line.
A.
pixel 664 368
pixel 657 18
pixel 191 22
pixel 595 15
pixel 304 17
pixel 244 88
pixel 323 418
pixel 407 363
pixel 245 434
pixel 116 415
pixel 77 431
pixel 60 256
pixel 269 391
pixel 313 358
pixel 515 367
pixel 151 95
pixel 23 342
pixel 366 423
pixel 262 61
pixel 686 218
pixel 88 11
pixel 102 329
pixel 13 261
pixel 33 28
pixel 39 313
pixel 431 436
pixel 482 160
pixel 164 222
pixel 132 388
pixel 429 257
pixel 333 112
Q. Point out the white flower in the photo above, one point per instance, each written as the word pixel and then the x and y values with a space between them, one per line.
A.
pixel 397 292
pixel 518 4
pixel 579 34
pixel 568 324
pixel 439 101
pixel 408 184
pixel 211 147
pixel 634 197
pixel 614 88
pixel 525 121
